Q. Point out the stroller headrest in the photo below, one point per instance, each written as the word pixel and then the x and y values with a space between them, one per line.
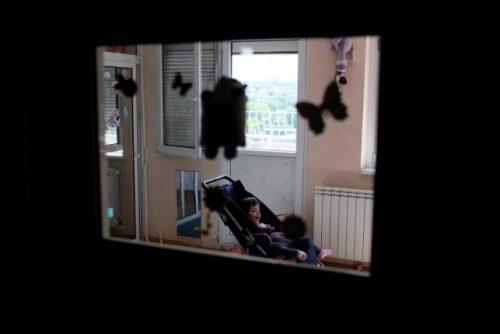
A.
pixel 239 190
pixel 236 191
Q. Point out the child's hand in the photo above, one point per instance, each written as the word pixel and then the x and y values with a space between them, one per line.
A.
pixel 301 255
pixel 266 227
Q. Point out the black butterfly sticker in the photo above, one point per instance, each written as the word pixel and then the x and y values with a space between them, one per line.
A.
pixel 185 86
pixel 127 86
pixel 331 101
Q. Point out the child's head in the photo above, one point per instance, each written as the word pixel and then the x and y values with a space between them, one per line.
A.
pixel 294 227
pixel 251 206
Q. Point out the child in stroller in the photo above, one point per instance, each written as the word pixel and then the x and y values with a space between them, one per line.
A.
pixel 292 242
pixel 255 237
pixel 279 243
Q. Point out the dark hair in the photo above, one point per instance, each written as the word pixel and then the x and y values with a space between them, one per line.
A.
pixel 248 202
pixel 294 227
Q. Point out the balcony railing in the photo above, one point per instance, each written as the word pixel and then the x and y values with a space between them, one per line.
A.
pixel 274 130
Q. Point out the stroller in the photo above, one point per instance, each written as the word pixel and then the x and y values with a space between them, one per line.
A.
pixel 250 237
pixel 253 240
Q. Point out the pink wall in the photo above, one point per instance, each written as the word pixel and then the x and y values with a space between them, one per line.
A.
pixel 333 158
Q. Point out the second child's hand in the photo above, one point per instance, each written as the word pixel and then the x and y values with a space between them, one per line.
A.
pixel 301 255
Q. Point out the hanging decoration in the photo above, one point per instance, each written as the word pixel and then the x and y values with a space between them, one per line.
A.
pixel 114 119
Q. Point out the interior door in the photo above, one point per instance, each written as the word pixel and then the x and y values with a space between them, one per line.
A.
pixel 121 149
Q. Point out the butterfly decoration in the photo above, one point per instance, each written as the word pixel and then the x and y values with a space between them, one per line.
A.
pixel 114 119
pixel 345 51
pixel 332 102
pixel 128 87
pixel 341 79
pixel 184 86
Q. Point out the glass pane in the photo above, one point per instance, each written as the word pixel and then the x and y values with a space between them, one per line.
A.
pixel 208 65
pixel 178 126
pixel 111 112
pixel 189 194
pixel 270 70
pixel 272 94
pixel 189 223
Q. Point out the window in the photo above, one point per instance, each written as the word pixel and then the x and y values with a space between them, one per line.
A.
pixel 188 189
pixel 370 106
pixel 111 110
pixel 179 116
pixel 270 69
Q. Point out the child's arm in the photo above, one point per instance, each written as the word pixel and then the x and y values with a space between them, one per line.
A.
pixel 281 216
pixel 289 252
pixel 321 253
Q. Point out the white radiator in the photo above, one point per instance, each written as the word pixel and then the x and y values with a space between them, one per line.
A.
pixel 343 222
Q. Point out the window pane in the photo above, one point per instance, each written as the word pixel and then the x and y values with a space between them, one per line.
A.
pixel 189 223
pixel 208 65
pixel 189 194
pixel 178 127
pixel 111 112
pixel 272 94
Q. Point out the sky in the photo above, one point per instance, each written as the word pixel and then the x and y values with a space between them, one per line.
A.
pixel 263 67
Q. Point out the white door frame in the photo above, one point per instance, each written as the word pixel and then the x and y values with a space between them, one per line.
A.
pixel 300 155
pixel 131 61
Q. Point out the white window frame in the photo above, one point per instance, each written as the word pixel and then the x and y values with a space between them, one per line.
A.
pixel 370 106
pixel 301 146
pixel 194 152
